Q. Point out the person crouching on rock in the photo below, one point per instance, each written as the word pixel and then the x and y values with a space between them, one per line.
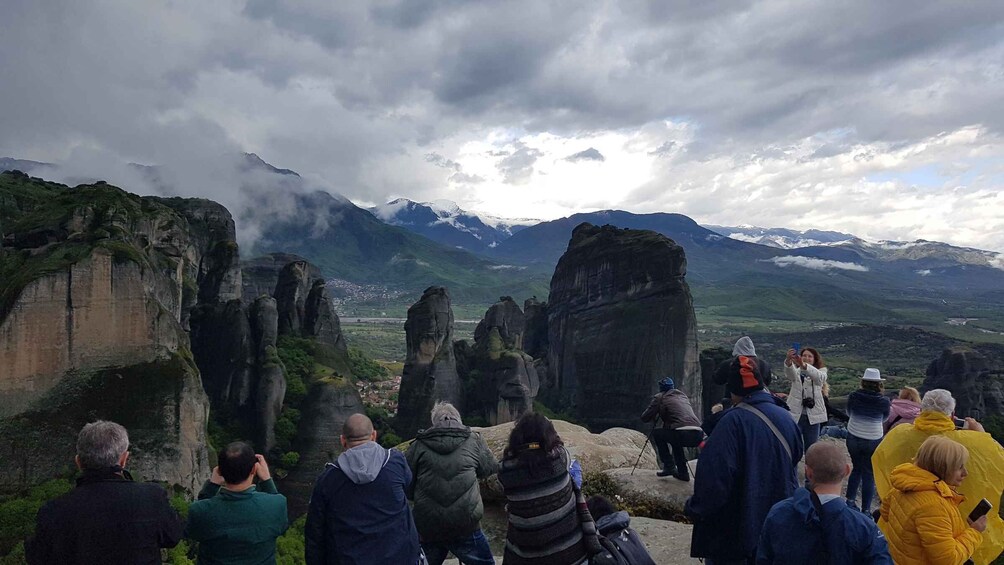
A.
pixel 447 461
pixel 680 429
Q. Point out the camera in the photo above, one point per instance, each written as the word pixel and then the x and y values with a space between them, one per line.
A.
pixel 809 403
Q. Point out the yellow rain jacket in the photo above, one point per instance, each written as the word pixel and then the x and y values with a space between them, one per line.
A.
pixel 985 466
pixel 921 520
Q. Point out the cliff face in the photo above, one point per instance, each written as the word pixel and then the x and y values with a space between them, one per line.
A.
pixel 978 391
pixel 97 285
pixel 620 317
pixel 430 370
pixel 500 379
pixel 260 274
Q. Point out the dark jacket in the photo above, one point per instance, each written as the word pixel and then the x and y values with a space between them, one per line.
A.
pixel 721 375
pixel 237 527
pixel 358 512
pixel 107 519
pixel 673 407
pixel 616 528
pixel 742 472
pixel 447 463
pixel 794 533
pixel 834 413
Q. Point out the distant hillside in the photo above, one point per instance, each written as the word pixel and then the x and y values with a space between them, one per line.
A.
pixel 350 243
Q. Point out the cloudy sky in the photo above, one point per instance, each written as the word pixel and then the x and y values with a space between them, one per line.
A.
pixel 883 119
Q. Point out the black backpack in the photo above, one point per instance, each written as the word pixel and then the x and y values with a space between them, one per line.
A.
pixel 610 554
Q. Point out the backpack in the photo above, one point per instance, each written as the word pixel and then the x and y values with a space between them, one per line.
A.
pixel 610 554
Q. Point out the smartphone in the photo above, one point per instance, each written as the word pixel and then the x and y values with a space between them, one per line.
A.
pixel 959 423
pixel 981 509
pixel 795 347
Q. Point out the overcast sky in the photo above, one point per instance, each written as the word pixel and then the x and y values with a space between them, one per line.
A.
pixel 882 119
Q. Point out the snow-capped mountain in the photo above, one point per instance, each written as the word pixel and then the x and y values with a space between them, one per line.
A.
pixel 445 222
pixel 782 238
pixel 926 256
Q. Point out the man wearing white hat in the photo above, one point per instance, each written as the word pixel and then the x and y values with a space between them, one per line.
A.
pixel 867 408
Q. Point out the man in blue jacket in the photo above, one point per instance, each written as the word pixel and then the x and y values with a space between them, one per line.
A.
pixel 358 512
pixel 747 466
pixel 819 525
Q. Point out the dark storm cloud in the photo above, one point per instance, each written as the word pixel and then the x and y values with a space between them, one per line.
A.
pixel 358 93
pixel 591 154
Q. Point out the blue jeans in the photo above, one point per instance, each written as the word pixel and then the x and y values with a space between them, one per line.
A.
pixel 861 451
pixel 834 431
pixel 810 432
pixel 472 550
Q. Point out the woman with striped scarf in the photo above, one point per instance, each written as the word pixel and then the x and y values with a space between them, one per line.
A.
pixel 549 523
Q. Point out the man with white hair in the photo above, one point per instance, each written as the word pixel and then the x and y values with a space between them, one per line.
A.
pixel 985 466
pixel 108 518
pixel 447 460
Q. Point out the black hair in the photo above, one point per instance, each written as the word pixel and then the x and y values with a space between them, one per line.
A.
pixel 236 461
pixel 599 506
pixel 532 439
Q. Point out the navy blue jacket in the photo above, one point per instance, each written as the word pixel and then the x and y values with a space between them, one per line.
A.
pixel 794 534
pixel 742 472
pixel 358 512
pixel 616 527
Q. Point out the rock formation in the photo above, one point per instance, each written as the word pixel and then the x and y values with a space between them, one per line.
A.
pixel 328 404
pixel 620 318
pixel 430 370
pixel 320 320
pixel 268 372
pixel 260 274
pixel 291 297
pixel 505 317
pixel 977 388
pixel 500 380
pixel 535 328
pixel 97 288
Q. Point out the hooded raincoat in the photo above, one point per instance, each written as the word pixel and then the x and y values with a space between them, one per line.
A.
pixel 447 463
pixel 921 520
pixel 358 513
pixel 985 466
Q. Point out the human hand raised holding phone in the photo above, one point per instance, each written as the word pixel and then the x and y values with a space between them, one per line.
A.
pixel 261 470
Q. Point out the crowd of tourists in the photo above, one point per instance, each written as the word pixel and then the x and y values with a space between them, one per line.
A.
pixel 939 481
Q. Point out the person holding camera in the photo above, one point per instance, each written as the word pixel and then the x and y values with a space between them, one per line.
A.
pixel 807 373
pixel 234 521
pixel 868 408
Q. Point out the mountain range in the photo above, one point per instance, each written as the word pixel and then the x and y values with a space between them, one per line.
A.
pixel 768 272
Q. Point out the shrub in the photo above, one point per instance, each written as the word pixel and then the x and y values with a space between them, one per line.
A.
pixel 289 459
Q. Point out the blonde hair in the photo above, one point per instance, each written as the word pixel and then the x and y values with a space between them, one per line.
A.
pixel 826 389
pixel 941 456
pixel 909 393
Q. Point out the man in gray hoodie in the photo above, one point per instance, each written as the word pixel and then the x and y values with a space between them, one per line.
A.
pixel 358 513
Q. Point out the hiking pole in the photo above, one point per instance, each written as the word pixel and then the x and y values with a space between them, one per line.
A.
pixel 647 439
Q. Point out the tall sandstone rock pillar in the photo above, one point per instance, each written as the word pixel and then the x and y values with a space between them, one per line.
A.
pixel 620 317
pixel 430 370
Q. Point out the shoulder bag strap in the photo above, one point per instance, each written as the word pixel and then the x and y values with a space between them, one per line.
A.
pixel 824 550
pixel 773 428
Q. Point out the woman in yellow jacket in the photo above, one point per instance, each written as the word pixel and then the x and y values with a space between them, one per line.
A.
pixel 920 517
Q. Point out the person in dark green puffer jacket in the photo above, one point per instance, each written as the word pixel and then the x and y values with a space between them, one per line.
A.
pixel 447 461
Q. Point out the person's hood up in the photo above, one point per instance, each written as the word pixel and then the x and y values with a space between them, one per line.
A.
pixel 906 407
pixel 363 463
pixel 444 440
pixel 613 523
pixel 933 422
pixel 908 477
pixel 744 346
